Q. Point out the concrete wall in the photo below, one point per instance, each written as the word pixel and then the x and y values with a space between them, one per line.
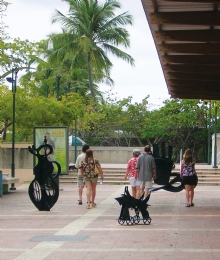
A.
pixel 24 159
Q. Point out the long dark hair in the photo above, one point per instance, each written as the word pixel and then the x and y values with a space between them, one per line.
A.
pixel 188 156
pixel 89 154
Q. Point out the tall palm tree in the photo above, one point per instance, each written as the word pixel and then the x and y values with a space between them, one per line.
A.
pixel 94 31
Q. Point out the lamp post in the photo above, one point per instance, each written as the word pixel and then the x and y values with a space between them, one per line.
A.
pixel 13 81
pixel 209 138
pixel 215 142
pixel 75 144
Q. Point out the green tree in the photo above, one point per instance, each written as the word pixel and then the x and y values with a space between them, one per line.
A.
pixel 90 31
pixel 182 123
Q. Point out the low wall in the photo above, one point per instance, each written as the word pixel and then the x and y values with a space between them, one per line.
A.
pixel 24 159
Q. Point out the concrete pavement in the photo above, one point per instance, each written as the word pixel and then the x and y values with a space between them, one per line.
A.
pixel 70 231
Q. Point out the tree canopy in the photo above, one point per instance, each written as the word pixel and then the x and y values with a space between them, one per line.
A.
pixel 68 68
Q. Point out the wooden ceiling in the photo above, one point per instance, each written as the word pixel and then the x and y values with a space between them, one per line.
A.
pixel 187 37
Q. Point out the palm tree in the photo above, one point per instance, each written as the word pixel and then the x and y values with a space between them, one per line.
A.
pixel 94 30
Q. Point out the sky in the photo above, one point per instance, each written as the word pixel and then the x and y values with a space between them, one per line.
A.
pixel 31 19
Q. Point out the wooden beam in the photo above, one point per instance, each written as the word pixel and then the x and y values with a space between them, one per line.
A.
pixel 189 85
pixel 210 18
pixel 196 48
pixel 192 1
pixel 195 95
pixel 191 68
pixel 188 35
pixel 192 76
pixel 191 59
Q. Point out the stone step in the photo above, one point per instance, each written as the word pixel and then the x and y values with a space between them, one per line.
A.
pixel 115 176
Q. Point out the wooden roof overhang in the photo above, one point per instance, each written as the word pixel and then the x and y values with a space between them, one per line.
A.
pixel 187 38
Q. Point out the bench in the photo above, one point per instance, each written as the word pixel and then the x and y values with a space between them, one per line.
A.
pixel 8 180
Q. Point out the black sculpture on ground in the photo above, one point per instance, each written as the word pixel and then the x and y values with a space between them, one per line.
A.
pixel 43 190
pixel 138 205
pixel 164 167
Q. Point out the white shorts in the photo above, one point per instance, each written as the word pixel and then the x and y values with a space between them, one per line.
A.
pixel 134 182
pixel 145 184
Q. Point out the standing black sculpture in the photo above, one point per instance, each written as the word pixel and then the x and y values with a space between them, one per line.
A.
pixel 43 190
pixel 164 166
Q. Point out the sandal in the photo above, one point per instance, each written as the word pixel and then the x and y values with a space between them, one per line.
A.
pixel 192 204
pixel 88 206
pixel 94 205
pixel 187 205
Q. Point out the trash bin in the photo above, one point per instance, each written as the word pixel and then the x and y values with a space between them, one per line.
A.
pixel 1 185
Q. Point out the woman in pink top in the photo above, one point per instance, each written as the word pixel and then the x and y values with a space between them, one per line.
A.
pixel 132 173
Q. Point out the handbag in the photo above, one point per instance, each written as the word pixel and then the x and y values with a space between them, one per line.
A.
pixel 96 170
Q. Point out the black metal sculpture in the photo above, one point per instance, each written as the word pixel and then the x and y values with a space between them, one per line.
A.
pixel 138 205
pixel 43 190
pixel 164 167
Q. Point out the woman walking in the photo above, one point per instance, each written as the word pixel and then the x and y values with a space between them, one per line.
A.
pixel 87 169
pixel 188 174
pixel 132 173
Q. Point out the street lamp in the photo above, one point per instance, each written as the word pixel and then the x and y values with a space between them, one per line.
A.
pixel 13 81
pixel 215 141
pixel 209 133
pixel 75 125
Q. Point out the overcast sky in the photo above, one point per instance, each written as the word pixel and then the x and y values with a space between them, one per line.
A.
pixel 31 19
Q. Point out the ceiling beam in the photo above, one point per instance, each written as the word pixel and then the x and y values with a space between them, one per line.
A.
pixel 192 76
pixel 194 84
pixel 196 48
pixel 188 96
pixel 192 59
pixel 195 95
pixel 192 69
pixel 192 1
pixel 188 35
pixel 210 18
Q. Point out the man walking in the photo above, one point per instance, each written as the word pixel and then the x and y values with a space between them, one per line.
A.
pixel 80 182
pixel 147 170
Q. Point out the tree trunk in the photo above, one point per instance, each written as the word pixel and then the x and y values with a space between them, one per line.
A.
pixel 90 77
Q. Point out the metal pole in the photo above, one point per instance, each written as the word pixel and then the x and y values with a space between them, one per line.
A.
pixel 181 157
pixel 14 83
pixel 209 133
pixel 75 142
pixel 75 145
pixel 215 143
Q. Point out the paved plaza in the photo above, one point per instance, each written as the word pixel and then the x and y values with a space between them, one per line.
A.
pixel 70 231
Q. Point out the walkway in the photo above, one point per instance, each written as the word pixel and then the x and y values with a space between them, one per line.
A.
pixel 71 232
